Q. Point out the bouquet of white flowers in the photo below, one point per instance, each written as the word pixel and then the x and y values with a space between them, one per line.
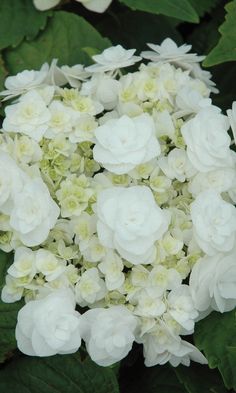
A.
pixel 117 195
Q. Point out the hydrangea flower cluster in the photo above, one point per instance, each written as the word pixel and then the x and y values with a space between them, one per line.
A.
pixel 117 194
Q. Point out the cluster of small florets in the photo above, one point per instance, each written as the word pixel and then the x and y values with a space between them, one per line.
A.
pixel 117 197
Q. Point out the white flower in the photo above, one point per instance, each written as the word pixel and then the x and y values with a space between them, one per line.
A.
pixel 122 144
pixel 177 165
pixel 62 119
pixel 213 282
pixel 29 116
pixel 108 333
pixel 181 307
pixel 149 305
pixel 190 101
pixel 185 354
pixel 112 266
pixel 113 58
pixel 162 345
pixel 168 51
pixel 24 81
pixel 24 263
pixel 103 88
pixel 49 326
pixel 11 291
pixel 160 279
pixel 130 221
pixel 34 213
pixel 83 129
pixel 232 119
pixel 220 180
pixel 90 287
pixel 43 5
pixel 73 75
pixel 47 264
pixel 11 182
pixel 96 5
pixel 26 150
pixel 207 140
pixel 92 250
pixel 214 222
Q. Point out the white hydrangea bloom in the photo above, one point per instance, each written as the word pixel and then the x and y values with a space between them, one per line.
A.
pixel 181 307
pixel 112 59
pixel 47 264
pixel 29 116
pixel 90 287
pixel 24 263
pixel 207 140
pixel 220 180
pixel 214 222
pixel 12 180
pixel 177 165
pixel 96 5
pixel 11 291
pixel 24 81
pixel 168 51
pixel 108 333
pixel 34 213
pixel 49 326
pixel 122 144
pixel 62 119
pixel 43 5
pixel 112 266
pixel 213 282
pixel 130 221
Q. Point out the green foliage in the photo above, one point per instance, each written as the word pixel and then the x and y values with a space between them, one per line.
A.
pixel 64 39
pixel 215 335
pixel 19 19
pixel 157 28
pixel 57 374
pixel 204 6
pixel 3 73
pixel 200 379
pixel 225 50
pixel 158 379
pixel 8 314
pixel 180 9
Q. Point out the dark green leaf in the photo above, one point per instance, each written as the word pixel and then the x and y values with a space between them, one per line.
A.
pixel 65 37
pixel 157 28
pixel 215 335
pixel 3 73
pixel 57 374
pixel 203 6
pixel 200 379
pixel 19 19
pixel 8 313
pixel 180 9
pixel 225 50
pixel 158 379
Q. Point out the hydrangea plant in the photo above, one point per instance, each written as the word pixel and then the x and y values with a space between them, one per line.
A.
pixel 117 192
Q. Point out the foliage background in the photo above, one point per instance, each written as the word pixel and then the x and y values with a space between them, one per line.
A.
pixel 28 38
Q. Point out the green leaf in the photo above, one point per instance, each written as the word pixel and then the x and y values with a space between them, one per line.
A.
pixel 158 379
pixel 3 73
pixel 57 374
pixel 204 6
pixel 215 335
pixel 19 19
pixel 8 314
pixel 65 37
pixel 200 379
pixel 157 28
pixel 225 50
pixel 180 9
